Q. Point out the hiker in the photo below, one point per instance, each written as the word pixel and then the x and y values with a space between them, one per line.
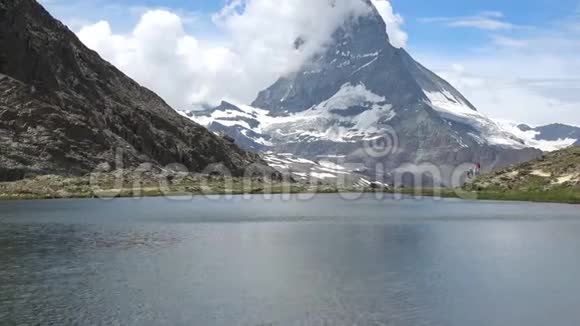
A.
pixel 478 168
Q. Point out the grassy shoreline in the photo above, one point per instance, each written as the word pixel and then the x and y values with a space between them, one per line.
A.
pixel 562 197
pixel 125 184
pixel 555 178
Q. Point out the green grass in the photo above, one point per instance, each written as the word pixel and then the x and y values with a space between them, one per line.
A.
pixel 536 181
pixel 530 190
pixel 569 196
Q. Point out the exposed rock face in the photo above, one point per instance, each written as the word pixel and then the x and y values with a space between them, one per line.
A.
pixel 361 89
pixel 64 110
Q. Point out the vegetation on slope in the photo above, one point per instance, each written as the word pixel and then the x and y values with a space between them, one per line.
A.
pixel 148 184
pixel 555 177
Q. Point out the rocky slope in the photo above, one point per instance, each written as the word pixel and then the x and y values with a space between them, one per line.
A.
pixel 325 170
pixel 555 170
pixel 64 110
pixel 372 103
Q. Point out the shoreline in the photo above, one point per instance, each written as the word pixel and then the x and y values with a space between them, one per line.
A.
pixel 128 185
pixel 426 193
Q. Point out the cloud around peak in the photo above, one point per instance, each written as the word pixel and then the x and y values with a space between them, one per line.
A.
pixel 397 36
pixel 256 47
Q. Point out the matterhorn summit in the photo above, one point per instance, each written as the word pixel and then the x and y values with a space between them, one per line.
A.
pixel 360 92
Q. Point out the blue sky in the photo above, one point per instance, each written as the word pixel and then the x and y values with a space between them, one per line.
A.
pixel 534 14
pixel 516 59
pixel 530 13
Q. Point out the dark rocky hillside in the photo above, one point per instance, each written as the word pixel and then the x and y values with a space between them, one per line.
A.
pixel 64 110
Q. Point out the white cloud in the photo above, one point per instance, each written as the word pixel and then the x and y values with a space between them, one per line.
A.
pixel 263 32
pixel 504 41
pixel 504 100
pixel 487 20
pixel 149 53
pixel 525 77
pixel 394 22
pixel 257 47
pixel 535 88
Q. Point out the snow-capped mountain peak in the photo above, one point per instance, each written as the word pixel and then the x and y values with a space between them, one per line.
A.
pixel 361 89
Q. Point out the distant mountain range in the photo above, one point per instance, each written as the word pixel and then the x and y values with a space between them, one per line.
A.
pixel 369 103
pixel 64 110
pixel 548 138
pixel 555 132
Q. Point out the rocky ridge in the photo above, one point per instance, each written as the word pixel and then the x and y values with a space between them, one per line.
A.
pixel 64 110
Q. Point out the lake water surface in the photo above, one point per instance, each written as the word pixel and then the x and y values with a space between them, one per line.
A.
pixel 326 261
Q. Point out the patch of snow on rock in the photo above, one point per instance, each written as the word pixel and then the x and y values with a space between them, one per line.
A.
pixel 310 171
pixel 326 121
pixel 454 109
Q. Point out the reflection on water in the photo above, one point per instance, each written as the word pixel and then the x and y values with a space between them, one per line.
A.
pixel 323 262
